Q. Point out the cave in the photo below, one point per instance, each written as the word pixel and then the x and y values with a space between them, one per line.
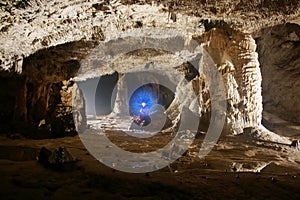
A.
pixel 220 81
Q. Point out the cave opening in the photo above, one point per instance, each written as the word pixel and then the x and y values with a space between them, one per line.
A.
pixel 122 94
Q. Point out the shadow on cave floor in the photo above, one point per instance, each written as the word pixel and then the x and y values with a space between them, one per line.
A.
pixel 238 167
pixel 281 126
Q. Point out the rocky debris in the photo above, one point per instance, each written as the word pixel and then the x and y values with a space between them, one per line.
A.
pixel 264 134
pixel 26 179
pixel 44 155
pixel 255 167
pixel 57 159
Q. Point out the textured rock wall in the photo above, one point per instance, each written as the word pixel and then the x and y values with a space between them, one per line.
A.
pixel 28 26
pixel 234 54
pixel 41 110
pixel 12 101
pixel 279 50
pixel 244 81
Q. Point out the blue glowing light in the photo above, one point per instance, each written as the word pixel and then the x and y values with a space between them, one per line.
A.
pixel 140 96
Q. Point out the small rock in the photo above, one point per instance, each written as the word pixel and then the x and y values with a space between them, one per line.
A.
pixel 56 159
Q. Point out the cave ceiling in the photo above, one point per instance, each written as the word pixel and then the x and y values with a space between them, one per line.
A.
pixel 68 30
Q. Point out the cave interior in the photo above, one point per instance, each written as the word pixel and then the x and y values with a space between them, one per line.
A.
pixel 44 104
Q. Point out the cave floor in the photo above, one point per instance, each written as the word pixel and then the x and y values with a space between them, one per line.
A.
pixel 238 167
pixel 281 126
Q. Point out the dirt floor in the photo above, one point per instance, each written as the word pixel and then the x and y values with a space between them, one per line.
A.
pixel 239 167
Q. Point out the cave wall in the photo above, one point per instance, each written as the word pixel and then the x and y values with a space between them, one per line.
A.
pixel 279 55
pixel 38 101
pixel 39 110
pixel 12 101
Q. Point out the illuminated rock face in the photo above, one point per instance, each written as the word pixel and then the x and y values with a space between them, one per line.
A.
pixel 44 45
pixel 235 56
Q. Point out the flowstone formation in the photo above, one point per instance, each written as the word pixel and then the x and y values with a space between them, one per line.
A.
pixel 235 55
pixel 44 43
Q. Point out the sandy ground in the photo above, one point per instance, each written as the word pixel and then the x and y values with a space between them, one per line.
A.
pixel 239 167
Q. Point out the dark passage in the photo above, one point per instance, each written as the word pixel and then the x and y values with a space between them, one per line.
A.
pixel 104 97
